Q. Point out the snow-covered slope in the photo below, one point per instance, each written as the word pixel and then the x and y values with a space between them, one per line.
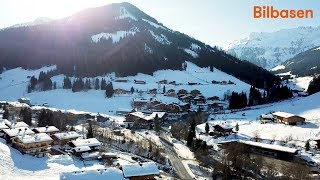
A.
pixel 273 133
pixel 271 49
pixel 14 85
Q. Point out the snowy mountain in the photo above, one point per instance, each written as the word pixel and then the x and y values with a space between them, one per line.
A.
pixel 271 49
pixel 304 64
pixel 38 21
pixel 116 38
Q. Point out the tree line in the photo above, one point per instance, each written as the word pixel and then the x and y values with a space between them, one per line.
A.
pixel 277 93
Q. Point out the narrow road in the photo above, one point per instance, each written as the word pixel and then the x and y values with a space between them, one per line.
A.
pixel 174 157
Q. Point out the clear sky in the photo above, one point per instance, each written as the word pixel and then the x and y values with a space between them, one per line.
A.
pixel 211 21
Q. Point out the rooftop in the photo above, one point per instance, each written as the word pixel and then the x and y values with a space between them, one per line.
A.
pixel 13 125
pixel 18 131
pixel 270 146
pixel 141 169
pixel 100 174
pixel 87 155
pixel 40 137
pixel 148 117
pixel 283 114
pixel 82 149
pixel 67 135
pixel 3 126
pixel 47 129
pixel 86 142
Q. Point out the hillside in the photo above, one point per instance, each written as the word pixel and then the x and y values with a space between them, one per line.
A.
pixel 304 64
pixel 14 85
pixel 115 38
pixel 271 49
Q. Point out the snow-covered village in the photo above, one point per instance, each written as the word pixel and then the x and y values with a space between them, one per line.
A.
pixel 122 96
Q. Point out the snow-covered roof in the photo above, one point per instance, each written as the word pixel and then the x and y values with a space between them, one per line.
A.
pixel 141 169
pixel 266 116
pixel 224 126
pixel 148 117
pixel 90 155
pixel 139 114
pixel 13 125
pixel 18 131
pixel 3 126
pixel 67 135
pixel 18 104
pixel 82 149
pixel 160 114
pixel 47 129
pixel 99 174
pixel 40 137
pixel 24 99
pixel 86 142
pixel 283 114
pixel 270 146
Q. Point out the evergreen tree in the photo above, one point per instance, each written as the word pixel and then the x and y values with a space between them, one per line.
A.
pixel 67 83
pixel 109 90
pixel 207 128
pixel 307 146
pixel 26 115
pixel 42 119
pixel 314 85
pixel 29 90
pixel 237 127
pixel 33 83
pixel 5 113
pixel 72 128
pixel 191 133
pixel 97 84
pixel 103 84
pixel 157 124
pixel 90 131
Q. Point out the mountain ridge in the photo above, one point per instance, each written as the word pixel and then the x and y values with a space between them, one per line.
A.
pixel 115 38
pixel 269 49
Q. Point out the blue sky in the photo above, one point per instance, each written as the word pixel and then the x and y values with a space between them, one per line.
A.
pixel 211 21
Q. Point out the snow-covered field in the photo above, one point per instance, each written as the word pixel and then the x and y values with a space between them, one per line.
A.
pixel 13 85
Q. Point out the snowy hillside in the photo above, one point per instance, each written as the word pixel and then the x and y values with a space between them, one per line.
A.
pixel 14 85
pixel 271 49
pixel 249 126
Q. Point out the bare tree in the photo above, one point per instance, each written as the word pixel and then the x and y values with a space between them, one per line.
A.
pixel 256 136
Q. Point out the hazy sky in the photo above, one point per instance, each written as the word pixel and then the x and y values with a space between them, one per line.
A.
pixel 211 21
